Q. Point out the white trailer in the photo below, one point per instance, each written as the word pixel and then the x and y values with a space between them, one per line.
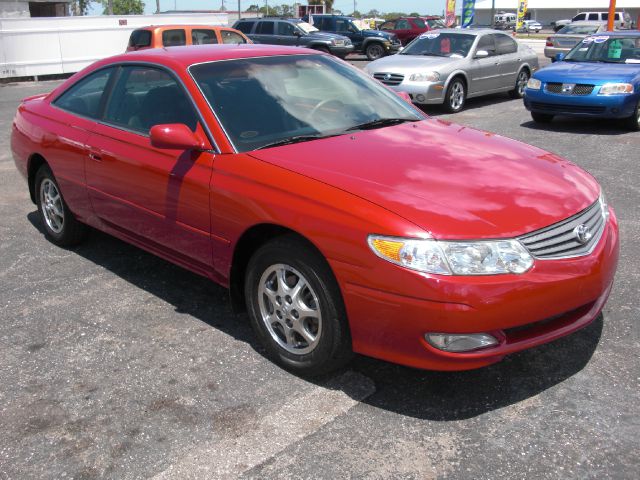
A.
pixel 31 47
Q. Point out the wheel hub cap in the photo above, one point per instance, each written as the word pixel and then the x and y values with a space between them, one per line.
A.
pixel 52 208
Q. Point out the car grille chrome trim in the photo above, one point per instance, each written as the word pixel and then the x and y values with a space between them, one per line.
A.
pixel 389 78
pixel 560 240
pixel 578 89
pixel 556 107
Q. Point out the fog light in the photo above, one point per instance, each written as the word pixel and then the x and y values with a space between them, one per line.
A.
pixel 420 98
pixel 460 342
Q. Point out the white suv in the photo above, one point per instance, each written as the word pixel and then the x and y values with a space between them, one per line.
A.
pixel 621 19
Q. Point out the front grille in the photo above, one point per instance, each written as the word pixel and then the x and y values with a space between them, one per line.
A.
pixel 578 89
pixel 389 78
pixel 560 240
pixel 560 108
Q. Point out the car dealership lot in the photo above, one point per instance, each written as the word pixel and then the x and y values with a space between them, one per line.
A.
pixel 117 364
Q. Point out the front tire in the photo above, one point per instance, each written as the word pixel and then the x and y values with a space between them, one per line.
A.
pixel 541 117
pixel 296 308
pixel 374 51
pixel 60 225
pixel 455 97
pixel 633 122
pixel 521 84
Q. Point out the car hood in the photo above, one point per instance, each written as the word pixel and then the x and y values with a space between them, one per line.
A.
pixel 405 63
pixel 377 33
pixel 574 72
pixel 325 36
pixel 452 181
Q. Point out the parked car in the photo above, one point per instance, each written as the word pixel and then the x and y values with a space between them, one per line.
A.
pixel 448 66
pixel 570 35
pixel 340 224
pixel 408 28
pixel 621 19
pixel 158 36
pixel 598 78
pixel 373 43
pixel 504 21
pixel 529 26
pixel 293 32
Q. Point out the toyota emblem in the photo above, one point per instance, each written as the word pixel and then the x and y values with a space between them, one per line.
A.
pixel 583 233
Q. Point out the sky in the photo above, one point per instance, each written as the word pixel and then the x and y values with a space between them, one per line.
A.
pixel 421 6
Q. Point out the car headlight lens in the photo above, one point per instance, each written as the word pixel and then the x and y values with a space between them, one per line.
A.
pixel 604 206
pixel 534 84
pixel 453 258
pixel 425 77
pixel 616 89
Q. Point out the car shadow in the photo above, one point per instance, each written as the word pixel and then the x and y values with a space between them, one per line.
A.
pixel 439 396
pixel 583 126
pixel 471 104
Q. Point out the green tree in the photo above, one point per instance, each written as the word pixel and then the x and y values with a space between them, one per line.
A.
pixel 80 7
pixel 123 7
pixel 253 8
pixel 414 14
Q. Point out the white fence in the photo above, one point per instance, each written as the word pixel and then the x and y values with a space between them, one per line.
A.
pixel 45 46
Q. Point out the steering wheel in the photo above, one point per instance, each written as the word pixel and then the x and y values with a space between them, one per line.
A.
pixel 324 103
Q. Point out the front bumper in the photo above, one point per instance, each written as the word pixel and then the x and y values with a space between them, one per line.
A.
pixel 422 92
pixel 592 105
pixel 554 299
pixel 341 50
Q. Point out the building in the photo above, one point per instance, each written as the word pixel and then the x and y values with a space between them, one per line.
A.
pixel 35 8
pixel 547 11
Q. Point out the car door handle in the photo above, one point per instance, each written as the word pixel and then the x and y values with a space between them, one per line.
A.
pixel 95 156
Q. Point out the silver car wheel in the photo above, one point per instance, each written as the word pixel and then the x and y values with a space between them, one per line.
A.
pixel 521 84
pixel 456 98
pixel 51 203
pixel 290 309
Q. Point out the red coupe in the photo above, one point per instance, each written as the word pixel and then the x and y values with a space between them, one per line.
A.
pixel 338 214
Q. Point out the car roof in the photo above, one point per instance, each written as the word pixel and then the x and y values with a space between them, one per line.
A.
pixel 184 25
pixel 475 31
pixel 619 33
pixel 184 56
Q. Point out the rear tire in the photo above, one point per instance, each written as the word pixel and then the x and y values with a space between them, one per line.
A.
pixel 374 51
pixel 456 96
pixel 60 225
pixel 296 308
pixel 521 83
pixel 633 122
pixel 541 117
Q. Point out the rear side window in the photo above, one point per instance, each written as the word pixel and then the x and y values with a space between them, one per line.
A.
pixel 265 28
pixel 144 96
pixel 231 37
pixel 593 16
pixel 403 25
pixel 505 44
pixel 244 27
pixel 140 38
pixel 203 37
pixel 174 38
pixel 487 43
pixel 418 22
pixel 85 97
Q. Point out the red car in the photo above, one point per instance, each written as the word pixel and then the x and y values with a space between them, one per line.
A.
pixel 408 28
pixel 341 225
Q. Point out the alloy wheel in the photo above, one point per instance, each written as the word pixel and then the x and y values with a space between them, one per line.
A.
pixel 521 84
pixel 456 98
pixel 52 208
pixel 290 309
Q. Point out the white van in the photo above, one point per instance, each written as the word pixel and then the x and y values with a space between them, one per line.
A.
pixel 621 19
pixel 504 20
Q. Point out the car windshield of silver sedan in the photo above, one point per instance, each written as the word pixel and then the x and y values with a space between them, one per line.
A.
pixel 606 49
pixel 439 44
pixel 578 29
pixel 268 101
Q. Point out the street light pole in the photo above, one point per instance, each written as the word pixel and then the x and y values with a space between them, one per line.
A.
pixel 493 13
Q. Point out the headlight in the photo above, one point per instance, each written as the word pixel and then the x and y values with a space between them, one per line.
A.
pixel 534 84
pixel 616 89
pixel 424 77
pixel 604 206
pixel 453 258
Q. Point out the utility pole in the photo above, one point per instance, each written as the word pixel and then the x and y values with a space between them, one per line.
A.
pixel 239 11
pixel 157 6
pixel 493 13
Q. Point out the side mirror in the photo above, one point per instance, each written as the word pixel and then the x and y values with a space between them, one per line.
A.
pixel 481 54
pixel 559 57
pixel 405 96
pixel 176 136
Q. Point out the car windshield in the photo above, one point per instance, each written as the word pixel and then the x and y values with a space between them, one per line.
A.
pixel 440 44
pixel 306 27
pixel 608 49
pixel 578 29
pixel 266 101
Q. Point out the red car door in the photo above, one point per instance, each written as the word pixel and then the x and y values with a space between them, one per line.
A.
pixel 156 196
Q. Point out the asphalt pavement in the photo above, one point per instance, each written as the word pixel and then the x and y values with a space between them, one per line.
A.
pixel 116 364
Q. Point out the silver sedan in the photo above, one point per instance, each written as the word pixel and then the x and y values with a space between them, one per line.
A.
pixel 448 66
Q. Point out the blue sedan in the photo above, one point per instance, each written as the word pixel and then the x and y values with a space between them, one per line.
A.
pixel 598 78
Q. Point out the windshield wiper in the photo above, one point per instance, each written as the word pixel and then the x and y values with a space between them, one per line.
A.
pixel 381 122
pixel 294 139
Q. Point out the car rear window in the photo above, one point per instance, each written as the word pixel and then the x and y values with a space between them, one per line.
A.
pixel 203 37
pixel 174 38
pixel 140 38
pixel 265 28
